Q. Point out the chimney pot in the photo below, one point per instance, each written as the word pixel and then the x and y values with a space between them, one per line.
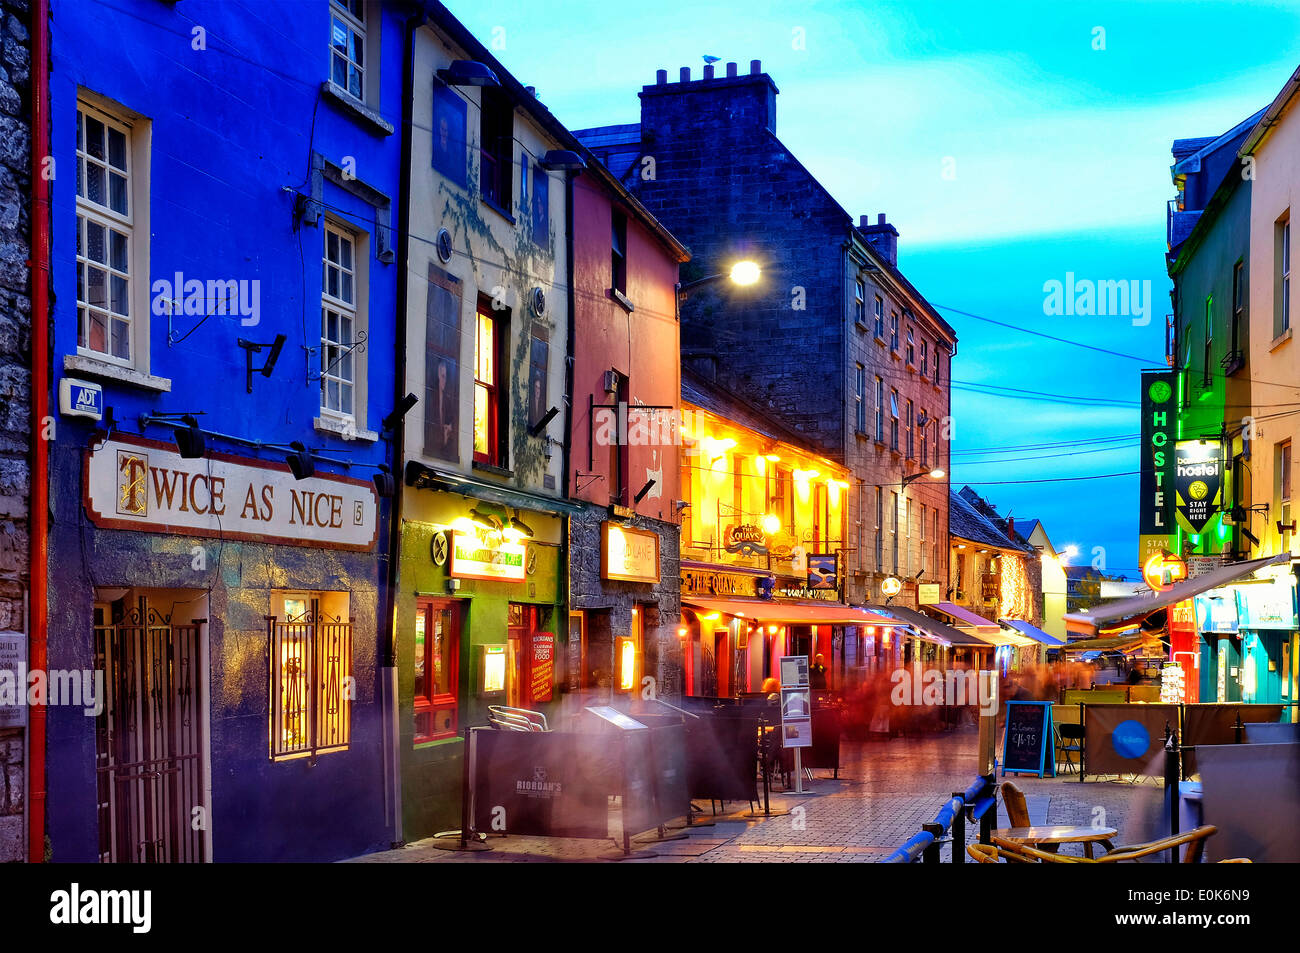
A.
pixel 661 77
pixel 532 91
pixel 881 219
pixel 684 74
pixel 731 69
pixel 864 221
pixel 708 71
pixel 755 67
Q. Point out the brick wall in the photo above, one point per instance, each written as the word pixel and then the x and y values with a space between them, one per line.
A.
pixel 15 379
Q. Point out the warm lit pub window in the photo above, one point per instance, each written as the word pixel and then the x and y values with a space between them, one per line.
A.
pixel 311 681
pixel 488 414
pixel 436 656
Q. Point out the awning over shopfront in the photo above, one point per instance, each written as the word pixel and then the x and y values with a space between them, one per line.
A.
pixel 1123 613
pixel 924 623
pixel 1011 637
pixel 419 476
pixel 1128 642
pixel 792 613
pixel 965 617
pixel 1030 631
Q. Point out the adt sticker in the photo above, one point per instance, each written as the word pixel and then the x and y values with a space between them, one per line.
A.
pixel 81 399
pixel 1130 739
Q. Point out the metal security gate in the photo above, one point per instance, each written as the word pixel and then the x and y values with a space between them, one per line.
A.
pixel 150 741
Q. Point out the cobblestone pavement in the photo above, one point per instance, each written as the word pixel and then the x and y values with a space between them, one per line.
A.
pixel 885 791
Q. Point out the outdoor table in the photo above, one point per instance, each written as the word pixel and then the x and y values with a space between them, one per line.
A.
pixel 1049 837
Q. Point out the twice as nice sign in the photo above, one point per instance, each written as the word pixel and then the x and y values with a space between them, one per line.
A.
pixel 137 484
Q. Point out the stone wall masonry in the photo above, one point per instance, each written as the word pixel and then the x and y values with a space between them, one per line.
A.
pixel 587 590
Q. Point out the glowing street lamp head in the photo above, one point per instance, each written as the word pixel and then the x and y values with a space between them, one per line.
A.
pixel 771 524
pixel 937 473
pixel 745 272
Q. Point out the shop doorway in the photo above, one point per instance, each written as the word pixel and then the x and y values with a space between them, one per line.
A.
pixel 521 623
pixel 151 737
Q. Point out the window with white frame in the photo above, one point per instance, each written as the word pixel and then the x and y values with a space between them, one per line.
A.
pixel 880 410
pixel 340 323
pixel 860 401
pixel 348 46
pixel 880 317
pixel 1282 269
pixel 104 236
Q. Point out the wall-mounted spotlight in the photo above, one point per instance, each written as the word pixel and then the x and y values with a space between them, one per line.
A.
pixel 185 431
pixel 385 485
pixel 189 439
pixel 468 73
pixel 520 526
pixel 400 411
pixel 252 347
pixel 537 428
pixel 486 520
pixel 300 461
pixel 640 494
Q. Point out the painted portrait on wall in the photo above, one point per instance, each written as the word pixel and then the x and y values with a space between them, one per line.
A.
pixel 442 367
pixel 538 361
pixel 450 134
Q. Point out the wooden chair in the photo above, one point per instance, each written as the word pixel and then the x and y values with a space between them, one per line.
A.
pixel 1023 853
pixel 1194 839
pixel 1013 799
pixel 983 853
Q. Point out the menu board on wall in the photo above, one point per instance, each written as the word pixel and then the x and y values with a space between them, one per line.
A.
pixel 543 666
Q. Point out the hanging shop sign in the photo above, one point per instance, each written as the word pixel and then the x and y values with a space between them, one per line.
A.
pixel 929 594
pixel 137 484
pixel 701 582
pixel 1198 482
pixel 1155 523
pixel 892 586
pixel 1162 570
pixel 823 572
pixel 747 539
pixel 482 555
pixel 1267 605
pixel 628 554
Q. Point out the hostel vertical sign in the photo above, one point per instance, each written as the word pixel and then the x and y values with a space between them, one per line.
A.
pixel 1159 427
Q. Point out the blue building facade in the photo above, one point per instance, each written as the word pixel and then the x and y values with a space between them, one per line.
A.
pixel 225 230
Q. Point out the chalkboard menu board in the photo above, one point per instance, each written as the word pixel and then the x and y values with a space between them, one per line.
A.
pixel 1028 739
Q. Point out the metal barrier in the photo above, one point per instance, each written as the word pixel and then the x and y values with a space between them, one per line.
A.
pixel 977 803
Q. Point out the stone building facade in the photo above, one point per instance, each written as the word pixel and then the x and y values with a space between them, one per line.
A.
pixel 802 344
pixel 15 399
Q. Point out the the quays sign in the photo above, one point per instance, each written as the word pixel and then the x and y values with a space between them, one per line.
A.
pixel 137 484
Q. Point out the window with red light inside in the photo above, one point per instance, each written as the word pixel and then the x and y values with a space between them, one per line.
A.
pixel 436 656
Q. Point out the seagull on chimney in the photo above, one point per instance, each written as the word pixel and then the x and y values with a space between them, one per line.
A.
pixel 710 60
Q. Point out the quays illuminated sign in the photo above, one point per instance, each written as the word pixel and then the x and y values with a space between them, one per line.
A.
pixel 1198 482
pixel 144 485
pixel 1159 420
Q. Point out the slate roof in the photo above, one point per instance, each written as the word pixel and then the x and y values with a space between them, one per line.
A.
pixel 712 396
pixel 968 523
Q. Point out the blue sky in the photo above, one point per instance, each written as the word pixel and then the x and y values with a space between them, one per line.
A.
pixel 1056 157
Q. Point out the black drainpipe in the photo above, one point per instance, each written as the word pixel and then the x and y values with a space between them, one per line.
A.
pixel 566 445
pixel 388 649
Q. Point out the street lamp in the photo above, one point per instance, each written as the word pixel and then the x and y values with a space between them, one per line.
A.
pixel 936 474
pixel 742 273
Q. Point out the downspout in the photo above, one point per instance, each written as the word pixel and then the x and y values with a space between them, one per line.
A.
pixel 388 656
pixel 566 445
pixel 39 515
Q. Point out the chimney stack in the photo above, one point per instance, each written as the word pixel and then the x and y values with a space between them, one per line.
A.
pixel 882 236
